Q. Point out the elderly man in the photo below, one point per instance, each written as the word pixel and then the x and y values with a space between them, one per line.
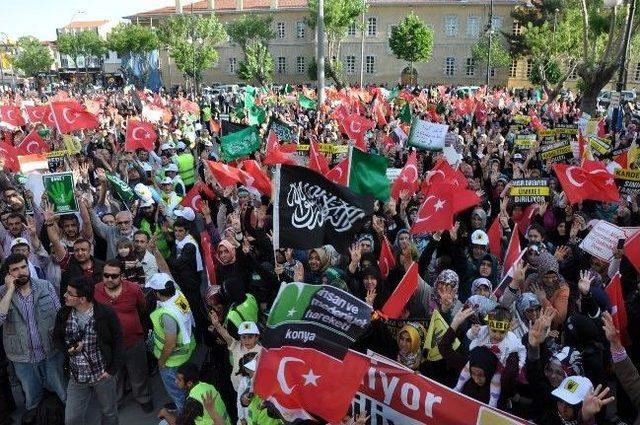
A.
pixel 123 229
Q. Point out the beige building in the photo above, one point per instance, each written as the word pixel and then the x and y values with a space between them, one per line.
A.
pixel 457 24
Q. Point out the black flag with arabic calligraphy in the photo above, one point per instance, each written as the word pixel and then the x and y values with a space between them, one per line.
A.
pixel 311 211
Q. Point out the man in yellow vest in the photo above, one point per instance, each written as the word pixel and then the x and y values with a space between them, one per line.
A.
pixel 173 342
pixel 186 165
pixel 203 405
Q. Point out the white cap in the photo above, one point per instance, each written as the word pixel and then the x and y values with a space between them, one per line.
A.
pixel 167 180
pixel 573 389
pixel 147 203
pixel 171 167
pixel 248 328
pixel 479 237
pixel 158 281
pixel 251 365
pixel 181 146
pixel 187 213
pixel 165 147
pixel 19 241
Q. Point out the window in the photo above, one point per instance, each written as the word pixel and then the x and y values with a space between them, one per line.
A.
pixel 529 67
pixel 233 63
pixel 351 31
pixel 451 26
pixel 372 27
pixel 470 70
pixel 636 74
pixel 513 69
pixel 450 66
pixel 300 29
pixel 517 27
pixel 300 67
pixel 496 23
pixel 282 64
pixel 350 65
pixel 473 27
pixel 370 64
pixel 280 29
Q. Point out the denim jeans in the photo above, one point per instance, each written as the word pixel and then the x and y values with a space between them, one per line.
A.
pixel 168 375
pixel 34 377
pixel 79 399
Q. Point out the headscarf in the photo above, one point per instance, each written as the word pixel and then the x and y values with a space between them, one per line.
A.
pixel 417 334
pixel 232 251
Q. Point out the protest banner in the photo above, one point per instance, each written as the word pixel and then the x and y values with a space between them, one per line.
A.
pixel 393 394
pixel 427 135
pixel 525 141
pixel 59 189
pixel 560 151
pixel 602 240
pixel 628 181
pixel 321 317
pixel 528 191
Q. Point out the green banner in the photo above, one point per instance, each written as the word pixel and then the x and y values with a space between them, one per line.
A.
pixel 59 190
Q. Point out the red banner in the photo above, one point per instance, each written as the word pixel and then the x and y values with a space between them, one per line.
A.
pixel 392 394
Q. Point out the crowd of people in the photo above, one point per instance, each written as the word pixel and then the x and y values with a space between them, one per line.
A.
pixel 93 304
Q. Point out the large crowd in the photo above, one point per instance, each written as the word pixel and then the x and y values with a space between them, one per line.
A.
pixel 95 303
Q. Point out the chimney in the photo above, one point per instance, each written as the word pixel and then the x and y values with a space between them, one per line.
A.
pixel 179 6
pixel 239 4
pixel 274 4
pixel 211 4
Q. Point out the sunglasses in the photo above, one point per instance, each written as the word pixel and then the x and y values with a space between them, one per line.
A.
pixel 111 275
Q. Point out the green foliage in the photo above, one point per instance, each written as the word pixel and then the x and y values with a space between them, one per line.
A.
pixel 412 40
pixel 257 66
pixel 499 57
pixel 86 44
pixel 32 56
pixel 247 30
pixel 204 32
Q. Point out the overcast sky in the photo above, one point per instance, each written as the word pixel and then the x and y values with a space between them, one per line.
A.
pixel 40 18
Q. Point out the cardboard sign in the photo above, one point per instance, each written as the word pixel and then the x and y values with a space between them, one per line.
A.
pixel 525 141
pixel 528 191
pixel 602 240
pixel 59 189
pixel 628 181
pixel 428 135
pixel 560 151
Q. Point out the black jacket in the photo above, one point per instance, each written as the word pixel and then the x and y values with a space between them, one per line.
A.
pixel 108 331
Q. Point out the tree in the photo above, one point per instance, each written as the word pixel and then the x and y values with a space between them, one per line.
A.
pixel 32 57
pixel 338 16
pixel 412 41
pixel 191 40
pixel 85 44
pixel 135 42
pixel 499 57
pixel 253 34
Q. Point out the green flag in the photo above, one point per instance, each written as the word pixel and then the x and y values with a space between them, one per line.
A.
pixel 405 113
pixel 239 144
pixel 257 115
pixel 306 103
pixel 59 190
pixel 286 89
pixel 121 188
pixel 368 174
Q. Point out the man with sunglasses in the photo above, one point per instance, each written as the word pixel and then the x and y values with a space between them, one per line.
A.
pixel 123 229
pixel 128 302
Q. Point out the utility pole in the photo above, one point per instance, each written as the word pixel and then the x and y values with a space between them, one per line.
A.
pixel 320 52
pixel 490 33
pixel 362 49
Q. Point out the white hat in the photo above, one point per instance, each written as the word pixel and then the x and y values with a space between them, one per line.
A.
pixel 187 213
pixel 573 389
pixel 147 203
pixel 165 147
pixel 251 365
pixel 171 167
pixel 167 180
pixel 158 281
pixel 248 328
pixel 19 241
pixel 479 237
pixel 181 146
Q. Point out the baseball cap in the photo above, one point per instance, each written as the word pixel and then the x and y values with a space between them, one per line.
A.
pixel 479 237
pixel 19 241
pixel 158 281
pixel 573 389
pixel 166 180
pixel 187 213
pixel 248 328
pixel 171 167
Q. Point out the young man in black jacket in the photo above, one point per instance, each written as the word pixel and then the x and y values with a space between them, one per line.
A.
pixel 90 334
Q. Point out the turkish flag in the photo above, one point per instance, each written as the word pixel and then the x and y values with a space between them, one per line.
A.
pixel 274 154
pixel 224 174
pixel 317 161
pixel 193 198
pixel 495 238
pixel 386 261
pixel 252 175
pixel 10 155
pixel 618 308
pixel 394 306
pixel 513 251
pixel 356 126
pixel 70 116
pixel 301 380
pixel 32 143
pixel 12 115
pixel 140 135
pixel 591 181
pixel 340 173
pixel 408 177
pixel 37 113
pixel 632 250
pixel 436 212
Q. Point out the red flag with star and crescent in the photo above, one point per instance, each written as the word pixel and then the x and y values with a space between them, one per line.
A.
pixel 387 261
pixel 408 177
pixel 436 212
pixel 140 135
pixel 302 382
pixel 193 198
pixel 32 143
pixel 12 115
pixel 70 116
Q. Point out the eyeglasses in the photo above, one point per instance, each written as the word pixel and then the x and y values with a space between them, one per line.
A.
pixel 123 222
pixel 111 275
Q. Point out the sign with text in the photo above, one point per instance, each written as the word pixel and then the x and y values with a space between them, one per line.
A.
pixel 628 181
pixel 428 135
pixel 59 189
pixel 528 191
